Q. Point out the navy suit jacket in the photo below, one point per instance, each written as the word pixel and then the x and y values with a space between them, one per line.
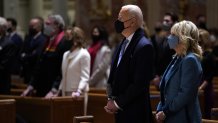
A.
pixel 128 82
pixel 179 90
pixel 18 41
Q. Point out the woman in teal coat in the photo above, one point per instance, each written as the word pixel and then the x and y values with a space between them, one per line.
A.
pixel 179 85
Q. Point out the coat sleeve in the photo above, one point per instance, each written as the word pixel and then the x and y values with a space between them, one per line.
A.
pixel 85 72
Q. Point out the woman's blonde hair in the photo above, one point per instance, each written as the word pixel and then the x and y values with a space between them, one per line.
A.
pixel 188 36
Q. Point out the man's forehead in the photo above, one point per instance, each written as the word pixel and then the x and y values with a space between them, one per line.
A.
pixel 123 13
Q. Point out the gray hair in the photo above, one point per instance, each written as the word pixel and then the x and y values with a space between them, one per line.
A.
pixel 135 11
pixel 58 20
pixel 3 23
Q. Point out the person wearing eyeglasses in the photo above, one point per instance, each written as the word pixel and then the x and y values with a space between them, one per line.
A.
pixel 131 70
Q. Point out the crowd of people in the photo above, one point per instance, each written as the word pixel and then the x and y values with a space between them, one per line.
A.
pixel 56 60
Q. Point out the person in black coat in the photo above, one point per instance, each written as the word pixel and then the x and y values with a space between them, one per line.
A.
pixel 18 41
pixel 7 52
pixel 209 66
pixel 163 54
pixel 47 72
pixel 131 70
pixel 32 49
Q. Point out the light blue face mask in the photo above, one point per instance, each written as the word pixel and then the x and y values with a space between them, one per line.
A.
pixel 173 41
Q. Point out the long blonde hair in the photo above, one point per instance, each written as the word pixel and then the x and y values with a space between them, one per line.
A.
pixel 188 36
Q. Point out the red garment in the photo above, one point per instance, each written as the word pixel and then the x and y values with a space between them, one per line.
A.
pixel 53 44
pixel 93 49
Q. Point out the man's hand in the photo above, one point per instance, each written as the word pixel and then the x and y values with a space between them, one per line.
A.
pixel 50 95
pixel 110 107
pixel 160 117
pixel 27 92
pixel 75 94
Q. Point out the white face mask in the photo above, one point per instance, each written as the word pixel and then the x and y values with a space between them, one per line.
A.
pixel 48 30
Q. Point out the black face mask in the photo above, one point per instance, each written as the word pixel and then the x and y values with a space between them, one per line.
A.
pixel 95 38
pixel 166 27
pixel 32 31
pixel 119 26
pixel 69 43
pixel 9 30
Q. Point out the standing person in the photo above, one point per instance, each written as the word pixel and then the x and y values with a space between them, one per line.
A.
pixel 100 58
pixel 75 65
pixel 131 70
pixel 47 73
pixel 209 66
pixel 32 48
pixel 18 41
pixel 179 85
pixel 163 54
pixel 7 53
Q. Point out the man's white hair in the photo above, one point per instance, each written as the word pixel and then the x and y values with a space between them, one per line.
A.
pixel 3 23
pixel 135 11
pixel 58 20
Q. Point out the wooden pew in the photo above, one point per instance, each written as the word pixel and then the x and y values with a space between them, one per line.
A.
pixel 40 110
pixel 215 98
pixel 97 102
pixel 83 119
pixel 97 91
pixel 209 121
pixel 214 113
pixel 7 111
pixel 95 108
pixel 17 92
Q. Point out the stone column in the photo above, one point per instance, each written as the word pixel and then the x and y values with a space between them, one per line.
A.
pixel 36 8
pixel 212 16
pixel 10 8
pixel 153 8
pixel 1 8
pixel 60 7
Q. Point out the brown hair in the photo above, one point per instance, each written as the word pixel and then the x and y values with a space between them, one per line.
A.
pixel 78 36
pixel 204 40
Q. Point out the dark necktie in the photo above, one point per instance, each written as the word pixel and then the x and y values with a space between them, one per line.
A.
pixel 122 51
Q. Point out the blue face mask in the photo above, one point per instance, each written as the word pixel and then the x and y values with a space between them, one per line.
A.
pixel 173 41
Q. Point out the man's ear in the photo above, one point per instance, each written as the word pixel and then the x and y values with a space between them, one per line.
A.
pixel 133 22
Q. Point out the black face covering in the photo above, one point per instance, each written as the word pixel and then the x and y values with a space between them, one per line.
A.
pixel 69 43
pixel 119 26
pixel 9 30
pixel 166 27
pixel 95 38
pixel 32 31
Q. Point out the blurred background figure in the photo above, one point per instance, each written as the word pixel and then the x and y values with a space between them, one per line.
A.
pixel 208 66
pixel 75 65
pixel 162 51
pixel 32 48
pixel 201 22
pixel 8 50
pixel 18 41
pixel 47 73
pixel 100 57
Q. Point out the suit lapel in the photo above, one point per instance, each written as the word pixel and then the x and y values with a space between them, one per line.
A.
pixel 131 47
pixel 174 69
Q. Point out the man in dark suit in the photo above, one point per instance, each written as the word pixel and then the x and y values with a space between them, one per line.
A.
pixel 7 52
pixel 18 41
pixel 131 70
pixel 32 48
pixel 47 72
